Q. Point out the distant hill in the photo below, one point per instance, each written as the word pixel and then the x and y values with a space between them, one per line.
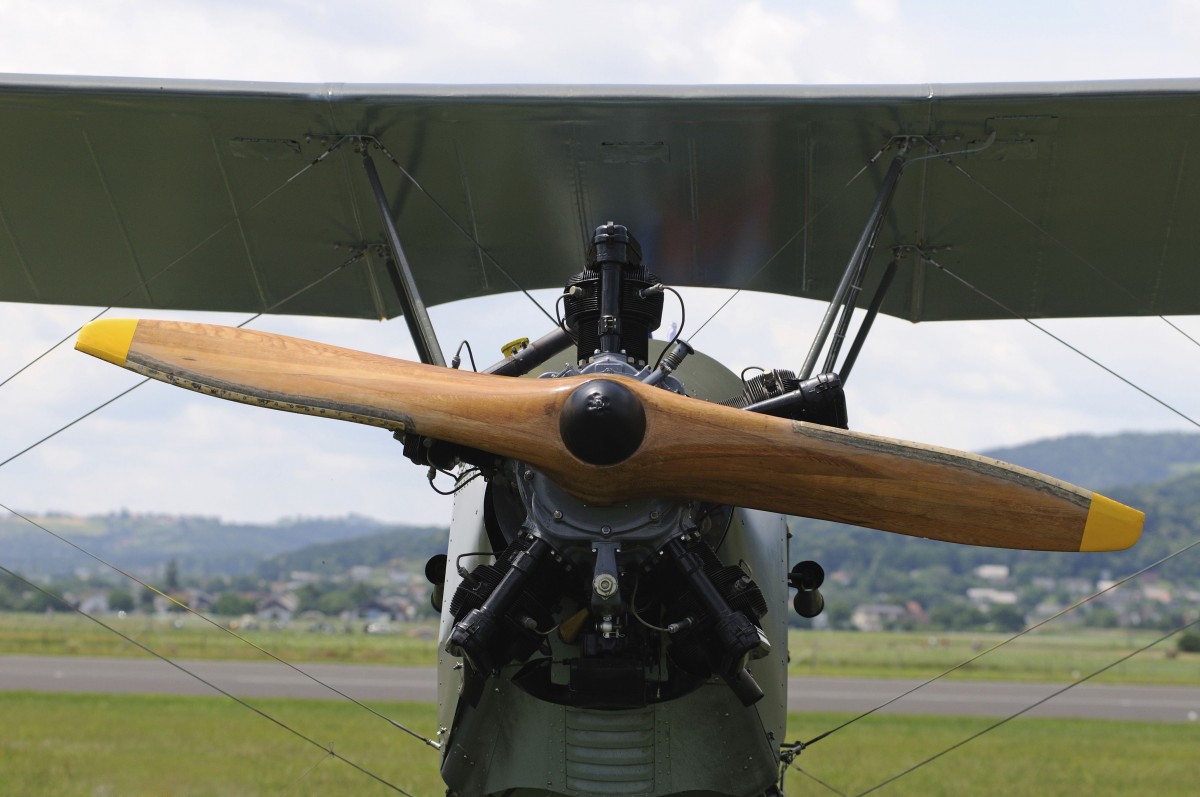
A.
pixel 1156 472
pixel 335 558
pixel 884 560
pixel 1101 462
pixel 202 545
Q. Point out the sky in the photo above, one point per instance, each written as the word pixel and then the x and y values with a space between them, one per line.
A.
pixel 972 386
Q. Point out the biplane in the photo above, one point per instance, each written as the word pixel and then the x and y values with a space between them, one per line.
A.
pixel 615 592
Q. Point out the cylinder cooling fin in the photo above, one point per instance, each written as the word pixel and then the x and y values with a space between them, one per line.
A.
pixel 620 606
pixel 609 297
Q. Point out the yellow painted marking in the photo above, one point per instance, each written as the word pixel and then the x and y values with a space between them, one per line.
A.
pixel 513 346
pixel 109 339
pixel 1110 526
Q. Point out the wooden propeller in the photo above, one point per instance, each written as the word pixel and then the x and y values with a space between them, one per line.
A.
pixel 607 439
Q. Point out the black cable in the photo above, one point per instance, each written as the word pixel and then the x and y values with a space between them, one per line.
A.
pixel 459 483
pixel 65 427
pixel 457 359
pixel 561 323
pixel 742 375
pixel 678 330
pixel 70 335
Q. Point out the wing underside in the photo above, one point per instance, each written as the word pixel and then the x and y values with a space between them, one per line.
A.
pixel 1062 200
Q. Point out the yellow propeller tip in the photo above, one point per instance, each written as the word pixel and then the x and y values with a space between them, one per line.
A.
pixel 1110 526
pixel 109 339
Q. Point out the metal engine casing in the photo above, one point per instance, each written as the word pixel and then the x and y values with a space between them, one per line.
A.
pixel 499 738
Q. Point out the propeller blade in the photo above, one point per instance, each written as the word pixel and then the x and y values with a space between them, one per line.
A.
pixel 608 439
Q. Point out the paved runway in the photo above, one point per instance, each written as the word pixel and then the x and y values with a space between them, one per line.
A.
pixel 365 682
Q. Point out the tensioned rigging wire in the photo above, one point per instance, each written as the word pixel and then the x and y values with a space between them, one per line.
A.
pixel 353 258
pixel 790 765
pixel 350 260
pixel 1000 304
pixel 1002 643
pixel 329 750
pixel 115 301
pixel 453 221
pixel 1045 331
pixel 947 157
pixel 217 625
pixel 1163 403
pixel 800 231
pixel 1028 708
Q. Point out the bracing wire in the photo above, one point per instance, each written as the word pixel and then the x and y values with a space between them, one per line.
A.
pixel 1004 642
pixel 329 750
pixel 115 301
pixel 810 776
pixel 479 247
pixel 799 231
pixel 352 259
pixel 67 426
pixel 1056 338
pixel 218 626
pixel 311 767
pixel 946 157
pixel 35 360
pixel 1029 708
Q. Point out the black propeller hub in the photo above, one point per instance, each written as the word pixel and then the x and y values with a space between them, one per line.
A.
pixel 602 422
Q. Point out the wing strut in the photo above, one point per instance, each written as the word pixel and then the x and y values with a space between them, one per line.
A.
pixel 415 315
pixel 864 329
pixel 846 295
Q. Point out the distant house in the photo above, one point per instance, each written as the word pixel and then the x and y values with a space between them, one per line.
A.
pixel 94 603
pixel 279 609
pixel 1152 592
pixel 199 600
pixel 995 573
pixel 392 608
pixel 875 616
pixel 984 597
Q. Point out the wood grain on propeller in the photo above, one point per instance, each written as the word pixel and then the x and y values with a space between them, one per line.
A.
pixel 691 450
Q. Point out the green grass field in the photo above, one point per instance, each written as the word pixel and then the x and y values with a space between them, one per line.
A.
pixel 89 745
pixel 1041 656
pixel 188 637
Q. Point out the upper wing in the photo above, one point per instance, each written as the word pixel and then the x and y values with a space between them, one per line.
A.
pixel 1069 200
